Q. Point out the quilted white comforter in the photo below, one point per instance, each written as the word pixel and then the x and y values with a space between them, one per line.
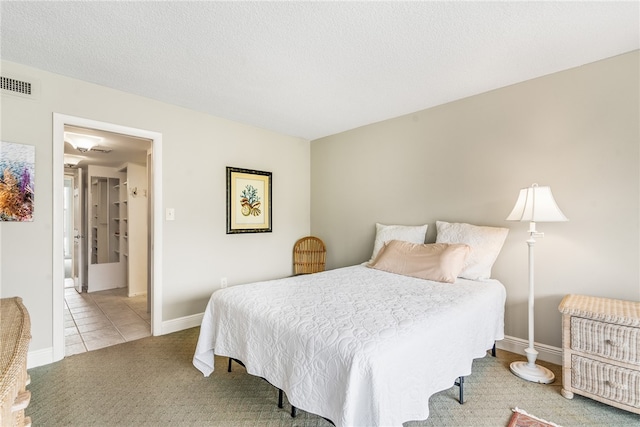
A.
pixel 358 346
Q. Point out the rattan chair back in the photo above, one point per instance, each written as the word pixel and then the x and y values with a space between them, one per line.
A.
pixel 309 255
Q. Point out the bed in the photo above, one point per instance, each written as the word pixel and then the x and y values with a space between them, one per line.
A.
pixel 356 345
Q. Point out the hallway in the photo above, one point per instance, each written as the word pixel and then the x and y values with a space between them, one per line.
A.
pixel 101 319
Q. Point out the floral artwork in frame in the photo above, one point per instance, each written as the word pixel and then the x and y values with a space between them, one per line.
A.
pixel 17 173
pixel 248 201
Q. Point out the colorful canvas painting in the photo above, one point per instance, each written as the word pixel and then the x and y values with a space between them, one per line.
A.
pixel 17 173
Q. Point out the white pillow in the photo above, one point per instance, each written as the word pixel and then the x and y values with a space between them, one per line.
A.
pixel 406 233
pixel 486 243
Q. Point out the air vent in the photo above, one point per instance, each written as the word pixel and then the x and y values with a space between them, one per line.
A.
pixel 14 85
pixel 19 86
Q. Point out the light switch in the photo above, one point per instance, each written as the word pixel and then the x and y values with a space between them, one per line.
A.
pixel 171 214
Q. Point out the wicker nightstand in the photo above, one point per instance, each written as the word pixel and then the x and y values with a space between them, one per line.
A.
pixel 601 350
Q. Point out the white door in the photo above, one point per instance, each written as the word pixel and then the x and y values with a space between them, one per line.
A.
pixel 78 230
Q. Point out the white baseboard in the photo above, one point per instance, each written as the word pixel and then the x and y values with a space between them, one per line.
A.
pixel 39 357
pixel 547 353
pixel 182 323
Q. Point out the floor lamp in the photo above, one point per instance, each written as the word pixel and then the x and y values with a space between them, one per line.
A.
pixel 534 204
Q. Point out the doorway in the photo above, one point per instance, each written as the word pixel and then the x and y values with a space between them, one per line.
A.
pixel 110 305
pixel 155 227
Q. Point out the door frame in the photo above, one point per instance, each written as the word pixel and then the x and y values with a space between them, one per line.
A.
pixel 155 185
pixel 75 176
pixel 68 176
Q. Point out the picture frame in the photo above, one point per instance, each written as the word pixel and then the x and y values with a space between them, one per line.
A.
pixel 248 201
pixel 17 178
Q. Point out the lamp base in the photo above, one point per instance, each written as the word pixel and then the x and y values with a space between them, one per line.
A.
pixel 532 372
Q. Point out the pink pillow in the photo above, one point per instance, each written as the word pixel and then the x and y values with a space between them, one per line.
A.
pixel 440 262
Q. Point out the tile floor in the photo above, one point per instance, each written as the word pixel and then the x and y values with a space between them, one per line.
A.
pixel 101 319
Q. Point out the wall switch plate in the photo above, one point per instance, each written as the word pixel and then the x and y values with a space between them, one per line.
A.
pixel 171 214
pixel 223 282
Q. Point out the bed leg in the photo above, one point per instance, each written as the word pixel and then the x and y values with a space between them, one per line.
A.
pixel 279 398
pixel 229 368
pixel 294 411
pixel 460 383
pixel 493 350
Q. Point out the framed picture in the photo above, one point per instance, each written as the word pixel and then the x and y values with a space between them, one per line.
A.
pixel 17 174
pixel 248 201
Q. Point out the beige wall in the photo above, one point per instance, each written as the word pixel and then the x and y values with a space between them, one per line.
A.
pixel 576 131
pixel 197 147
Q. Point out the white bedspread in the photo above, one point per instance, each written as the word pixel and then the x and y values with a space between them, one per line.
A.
pixel 358 346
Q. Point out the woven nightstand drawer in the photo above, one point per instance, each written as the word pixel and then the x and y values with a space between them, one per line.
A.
pixel 615 342
pixel 607 381
pixel 601 350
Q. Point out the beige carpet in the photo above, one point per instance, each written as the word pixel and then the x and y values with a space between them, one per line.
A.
pixel 152 382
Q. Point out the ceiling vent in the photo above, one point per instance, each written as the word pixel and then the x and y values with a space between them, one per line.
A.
pixel 13 85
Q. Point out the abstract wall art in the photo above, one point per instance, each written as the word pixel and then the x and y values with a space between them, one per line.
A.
pixel 17 174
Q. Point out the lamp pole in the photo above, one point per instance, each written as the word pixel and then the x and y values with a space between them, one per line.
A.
pixel 531 352
pixel 529 370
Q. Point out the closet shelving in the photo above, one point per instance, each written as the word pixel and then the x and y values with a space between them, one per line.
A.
pixel 94 232
pixel 114 215
pixel 106 269
pixel 133 226
pixel 105 220
pixel 119 242
pixel 125 223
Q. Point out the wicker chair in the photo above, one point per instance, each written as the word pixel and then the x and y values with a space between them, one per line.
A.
pixel 309 255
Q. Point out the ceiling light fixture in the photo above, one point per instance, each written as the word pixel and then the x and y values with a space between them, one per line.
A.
pixel 72 161
pixel 82 142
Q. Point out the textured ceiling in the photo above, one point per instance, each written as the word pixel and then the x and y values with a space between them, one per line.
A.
pixel 312 69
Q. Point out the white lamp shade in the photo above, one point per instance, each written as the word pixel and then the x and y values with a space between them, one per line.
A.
pixel 536 204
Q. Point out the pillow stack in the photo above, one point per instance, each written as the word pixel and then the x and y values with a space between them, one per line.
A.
pixel 461 250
